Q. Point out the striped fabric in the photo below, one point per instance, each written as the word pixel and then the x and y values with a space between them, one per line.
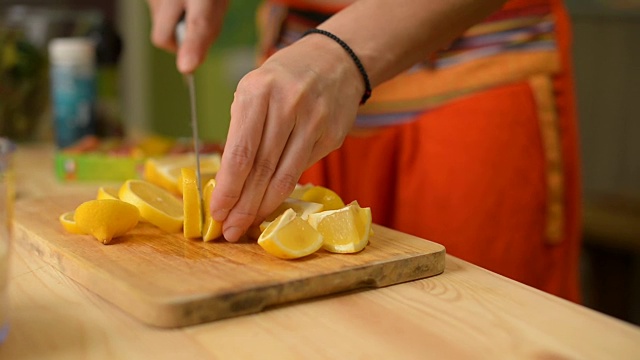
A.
pixel 511 45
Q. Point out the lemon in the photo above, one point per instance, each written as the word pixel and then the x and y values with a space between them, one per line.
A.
pixel 192 203
pixel 157 205
pixel 290 237
pixel 211 229
pixel 105 192
pixel 106 219
pixel 300 190
pixel 345 230
pixel 206 174
pixel 69 223
pixel 324 196
pixel 302 208
pixel 165 171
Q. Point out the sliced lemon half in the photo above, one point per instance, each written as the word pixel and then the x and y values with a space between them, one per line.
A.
pixel 156 205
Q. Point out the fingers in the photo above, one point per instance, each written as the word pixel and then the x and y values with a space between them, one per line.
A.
pixel 292 163
pixel 203 24
pixel 243 140
pixel 165 15
pixel 204 21
pixel 275 134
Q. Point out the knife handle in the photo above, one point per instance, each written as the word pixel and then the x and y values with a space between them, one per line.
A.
pixel 181 29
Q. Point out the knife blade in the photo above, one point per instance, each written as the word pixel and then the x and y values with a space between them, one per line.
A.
pixel 191 84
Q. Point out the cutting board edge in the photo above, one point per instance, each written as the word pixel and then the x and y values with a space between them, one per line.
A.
pixel 192 314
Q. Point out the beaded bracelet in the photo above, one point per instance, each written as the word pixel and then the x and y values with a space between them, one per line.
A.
pixel 367 84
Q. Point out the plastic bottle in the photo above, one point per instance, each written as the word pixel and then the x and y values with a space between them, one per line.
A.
pixel 73 88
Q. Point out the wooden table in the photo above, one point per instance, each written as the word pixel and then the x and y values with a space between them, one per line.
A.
pixel 467 312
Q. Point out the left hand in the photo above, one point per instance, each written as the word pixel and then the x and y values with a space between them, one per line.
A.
pixel 286 115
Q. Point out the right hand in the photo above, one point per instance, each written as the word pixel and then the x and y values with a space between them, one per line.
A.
pixel 204 23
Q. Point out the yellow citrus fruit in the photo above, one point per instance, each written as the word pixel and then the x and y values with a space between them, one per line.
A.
pixel 300 190
pixel 107 192
pixel 290 237
pixel 157 205
pixel 211 229
pixel 324 196
pixel 345 230
pixel 106 219
pixel 69 223
pixel 154 145
pixel 192 203
pixel 165 171
pixel 301 207
pixel 206 174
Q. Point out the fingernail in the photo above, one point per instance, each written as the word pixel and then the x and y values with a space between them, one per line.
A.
pixel 187 63
pixel 233 233
pixel 220 215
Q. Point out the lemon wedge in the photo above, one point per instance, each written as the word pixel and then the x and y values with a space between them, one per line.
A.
pixel 346 230
pixel 106 219
pixel 290 237
pixel 299 190
pixel 157 205
pixel 322 195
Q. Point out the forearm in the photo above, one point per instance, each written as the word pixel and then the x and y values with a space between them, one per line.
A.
pixel 391 36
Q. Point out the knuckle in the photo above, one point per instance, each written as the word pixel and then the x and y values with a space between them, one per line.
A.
pixel 263 169
pixel 240 156
pixel 283 184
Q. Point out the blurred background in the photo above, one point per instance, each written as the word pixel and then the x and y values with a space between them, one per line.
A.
pixel 141 93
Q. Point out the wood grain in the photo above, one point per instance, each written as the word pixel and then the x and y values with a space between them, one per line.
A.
pixel 166 280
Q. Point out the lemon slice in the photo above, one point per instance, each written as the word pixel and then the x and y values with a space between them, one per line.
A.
pixel 106 192
pixel 69 223
pixel 345 230
pixel 290 237
pixel 324 196
pixel 192 204
pixel 106 219
pixel 165 171
pixel 211 229
pixel 157 205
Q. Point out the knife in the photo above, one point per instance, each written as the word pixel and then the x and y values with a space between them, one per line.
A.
pixel 191 84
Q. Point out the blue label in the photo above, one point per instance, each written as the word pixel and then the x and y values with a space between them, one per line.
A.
pixel 73 94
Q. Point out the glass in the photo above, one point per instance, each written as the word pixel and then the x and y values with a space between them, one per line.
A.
pixel 7 195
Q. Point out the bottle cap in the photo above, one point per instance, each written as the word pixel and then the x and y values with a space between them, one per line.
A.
pixel 72 50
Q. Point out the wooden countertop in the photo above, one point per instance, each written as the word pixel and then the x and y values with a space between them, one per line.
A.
pixel 467 312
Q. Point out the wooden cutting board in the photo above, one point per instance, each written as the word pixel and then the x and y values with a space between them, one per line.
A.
pixel 168 281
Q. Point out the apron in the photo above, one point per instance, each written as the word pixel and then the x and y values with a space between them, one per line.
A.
pixel 474 148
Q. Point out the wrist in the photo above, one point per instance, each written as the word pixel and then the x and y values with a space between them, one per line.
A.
pixel 354 57
pixel 331 57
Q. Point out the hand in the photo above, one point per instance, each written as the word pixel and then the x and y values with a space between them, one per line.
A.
pixel 204 22
pixel 286 115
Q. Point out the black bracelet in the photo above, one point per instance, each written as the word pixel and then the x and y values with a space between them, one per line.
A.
pixel 367 84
